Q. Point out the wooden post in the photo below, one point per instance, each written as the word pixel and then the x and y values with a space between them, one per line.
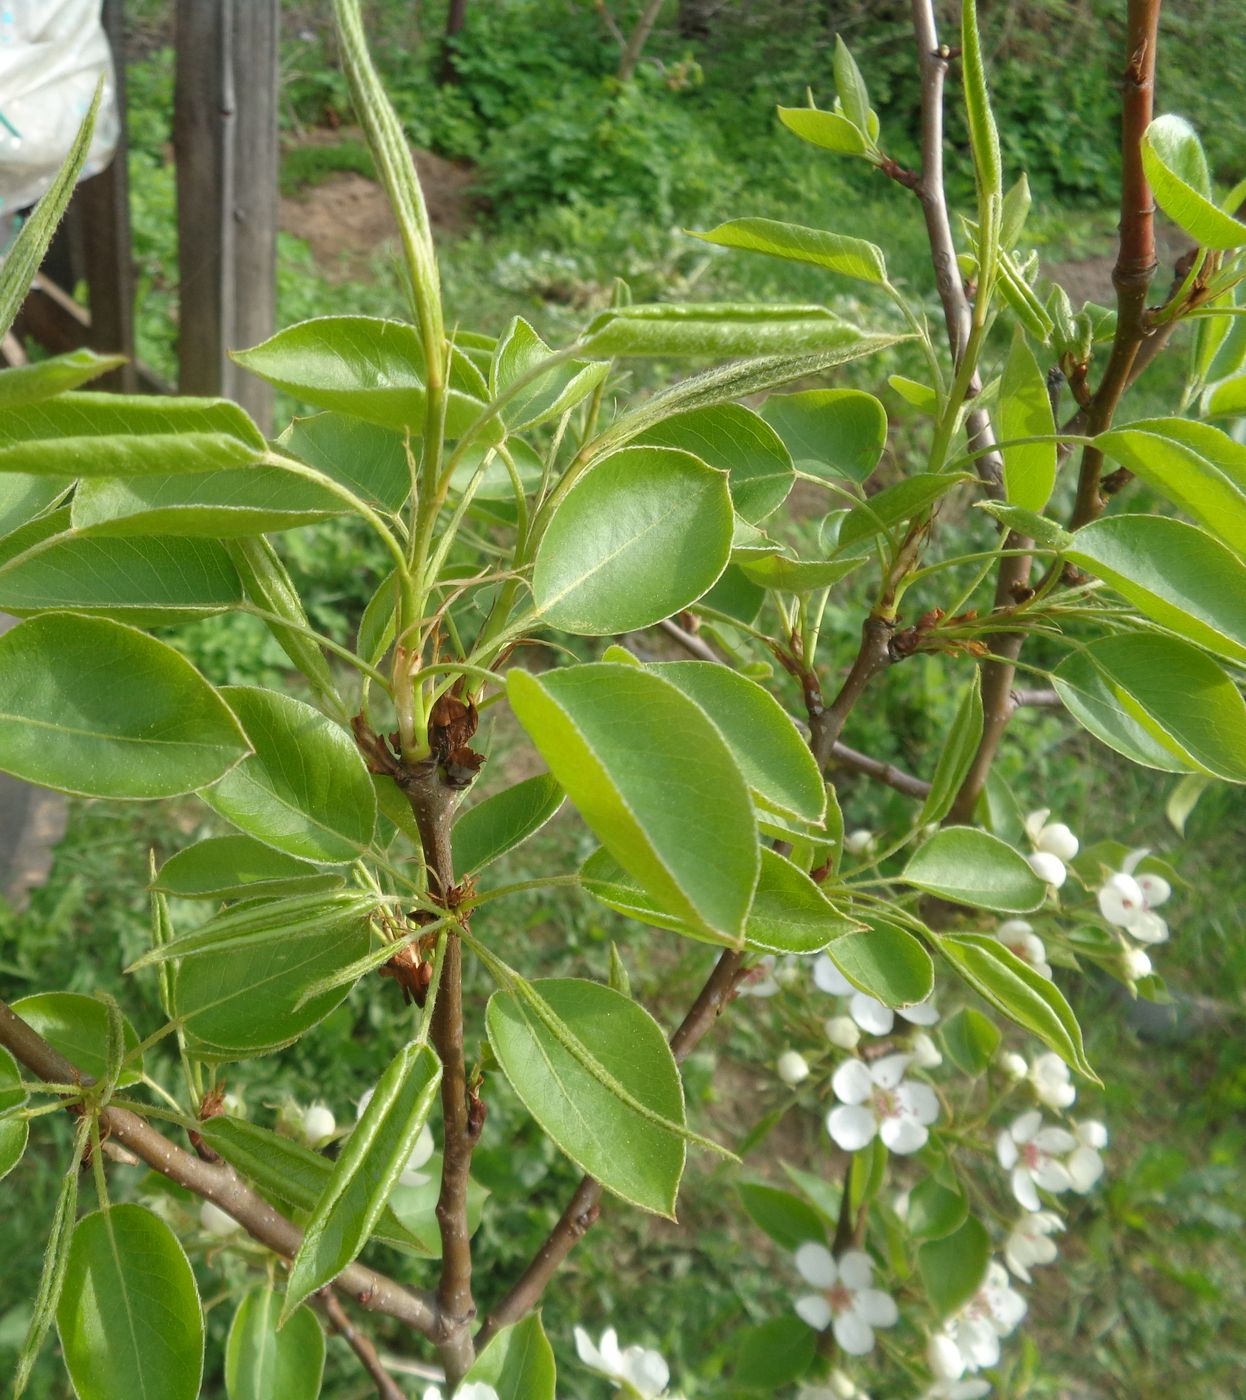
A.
pixel 225 139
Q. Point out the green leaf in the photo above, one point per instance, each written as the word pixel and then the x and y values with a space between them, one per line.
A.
pixel 22 498
pixel 94 708
pixel 654 781
pixel 773 1354
pixel 128 1317
pixel 891 507
pixel 828 130
pixel 77 1026
pixel 287 1172
pixel 1173 573
pixel 885 962
pixel 149 582
pixel 1025 523
pixel 237 867
pixel 368 368
pixel 707 328
pixel 915 394
pixel 263 1362
pixel 849 257
pixel 369 459
pixel 14 1135
pixel 935 1211
pixel 830 432
pixel 954 1268
pixel 639 536
pixel 771 754
pixel 632 1156
pixel 736 441
pixel 1015 989
pixel 1016 209
pixel 1176 169
pixel 22 384
pixel 1184 798
pixel 239 1004
pixel 971 867
pixel 12 1095
pixel 970 1039
pixel 518 1363
pixel 304 790
pixel 786 1218
pixel 1025 411
pixel 797 575
pixel 366 1171
pixel 983 133
pixel 1194 465
pixel 850 87
pixel 503 821
pixel 520 352
pixel 789 914
pixel 1180 697
pixel 1227 399
pixel 957 754
pixel 93 435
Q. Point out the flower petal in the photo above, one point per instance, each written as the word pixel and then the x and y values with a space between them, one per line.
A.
pixel 1006 1151
pixel 828 978
pixel 872 1016
pixel 889 1071
pixel 877 1308
pixel 854 1334
pixel 852 1127
pixel 922 1013
pixel 1024 1127
pixel 919 1101
pixel 903 1135
pixel 1155 888
pixel 856 1269
pixel 1149 928
pixel 1023 1188
pixel 646 1370
pixel 814 1311
pixel 852 1082
pixel 1121 899
pixel 816 1265
pixel 1055 1140
pixel 1085 1167
pixel 1052 1176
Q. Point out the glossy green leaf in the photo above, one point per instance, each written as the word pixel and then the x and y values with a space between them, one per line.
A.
pixel 91 435
pixel 504 820
pixel 956 756
pixel 77 1026
pixel 771 754
pixel 1173 573
pixel 22 498
pixel 1012 987
pixel 850 87
pixel 369 459
pixel 788 1219
pixel 632 1156
pixel 1027 524
pixel 365 367
pixel 237 1004
pixel 304 789
pixel 827 130
pixel 830 432
pixel 520 353
pixel 1025 411
pixel 93 707
pixel 150 582
pixel 12 1095
pixel 706 328
pixel 23 384
pixel 1180 696
pixel 886 962
pixel 518 1363
pixel 237 867
pixel 954 1268
pixel 773 1354
pixel 1094 703
pixel 971 867
pixel 14 1135
pixel 128 1317
pixel 264 1362
pixel 1016 210
pixel 935 1211
pixel 894 505
pixel 849 257
pixel 917 395
pixel 642 534
pixel 734 440
pixel 288 1172
pixel 366 1171
pixel 970 1039
pixel 790 914
pixel 797 575
pixel 1227 399
pixel 1176 169
pixel 655 782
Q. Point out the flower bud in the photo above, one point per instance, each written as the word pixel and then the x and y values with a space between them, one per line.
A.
pixel 792 1067
pixel 944 1357
pixel 843 1032
pixel 1013 1065
pixel 1050 869
pixel 318 1123
pixel 925 1052
pixel 215 1221
pixel 1137 964
pixel 1057 840
pixel 858 843
pixel 842 1386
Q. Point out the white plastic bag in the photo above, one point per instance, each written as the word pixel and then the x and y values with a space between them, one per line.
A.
pixel 52 53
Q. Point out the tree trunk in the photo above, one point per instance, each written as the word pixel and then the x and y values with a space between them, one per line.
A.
pixel 636 42
pixel 456 18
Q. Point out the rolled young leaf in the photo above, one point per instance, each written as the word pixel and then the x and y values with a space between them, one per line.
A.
pixel 21 384
pixel 957 754
pixel 850 257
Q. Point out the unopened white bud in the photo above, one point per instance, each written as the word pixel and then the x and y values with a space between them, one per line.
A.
pixel 1013 1065
pixel 944 1357
pixel 318 1123
pixel 841 1386
pixel 1137 964
pixel 792 1067
pixel 1050 869
pixel 925 1051
pixel 1058 840
pixel 858 843
pixel 843 1031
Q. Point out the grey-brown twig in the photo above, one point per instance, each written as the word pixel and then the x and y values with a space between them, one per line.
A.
pixel 361 1344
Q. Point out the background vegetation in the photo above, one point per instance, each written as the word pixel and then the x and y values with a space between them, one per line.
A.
pixel 562 180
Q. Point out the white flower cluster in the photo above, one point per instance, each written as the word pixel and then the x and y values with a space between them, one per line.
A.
pixel 1054 846
pixel 847 1301
pixel 970 1340
pixel 1127 901
pixel 636 1370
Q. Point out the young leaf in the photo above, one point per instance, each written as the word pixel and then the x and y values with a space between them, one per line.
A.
pixel 970 1039
pixel 77 1026
pixel 503 821
pixel 22 384
pixel 956 756
pixel 1176 169
pixel 304 789
pixel 773 1354
pixel 14 1135
pixel 668 329
pixel 237 867
pixel 95 708
pixel 518 1363
pixel 633 1156
pixel 894 505
pixel 983 133
pixel 954 1268
pixel 785 575
pixel 654 781
pixel 830 432
pixel 366 1171
pixel 264 1362
pixel 1025 411
pixel 850 87
pixel 640 535
pixel 935 1210
pixel 788 1219
pixel 369 459
pixel 129 1318
pixel 885 962
pixel 970 867
pixel 849 257
pixel 12 1095
pixel 520 352
pixel 828 130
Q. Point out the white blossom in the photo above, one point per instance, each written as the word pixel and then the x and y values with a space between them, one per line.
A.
pixel 1029 1242
pixel 645 1371
pixel 842 1031
pixel 1049 869
pixel 876 1099
pixel 869 1013
pixel 971 1388
pixel 1013 1065
pixel 926 1054
pixel 1019 938
pixel 1054 846
pixel 792 1067
pixel 1127 900
pixel 214 1220
pixel 319 1123
pixel 1084 1164
pixel 974 1333
pixel 859 843
pixel 839 1386
pixel 1049 1076
pixel 1137 964
pixel 420 1153
pixel 848 1303
pixel 1031 1153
